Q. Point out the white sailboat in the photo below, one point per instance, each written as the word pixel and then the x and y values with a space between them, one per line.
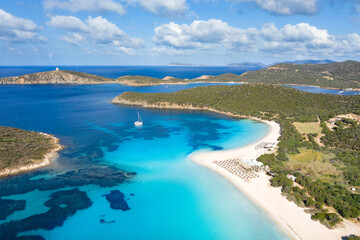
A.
pixel 139 122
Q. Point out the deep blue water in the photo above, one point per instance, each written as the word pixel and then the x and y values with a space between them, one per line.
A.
pixel 118 71
pixel 312 89
pixel 169 198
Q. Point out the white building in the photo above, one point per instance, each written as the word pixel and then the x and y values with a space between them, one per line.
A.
pixel 57 69
pixel 291 177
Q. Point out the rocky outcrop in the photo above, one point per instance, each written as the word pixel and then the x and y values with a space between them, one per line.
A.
pixel 56 77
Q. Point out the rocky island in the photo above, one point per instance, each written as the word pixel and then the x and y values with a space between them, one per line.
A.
pixel 22 150
pixel 56 77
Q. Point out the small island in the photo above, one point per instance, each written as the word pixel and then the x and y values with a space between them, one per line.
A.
pixel 310 155
pixel 22 150
pixel 57 77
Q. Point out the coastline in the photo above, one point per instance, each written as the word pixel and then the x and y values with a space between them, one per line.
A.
pixel 165 83
pixel 293 220
pixel 47 159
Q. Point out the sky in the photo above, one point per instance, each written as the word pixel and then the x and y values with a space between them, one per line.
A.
pixel 158 32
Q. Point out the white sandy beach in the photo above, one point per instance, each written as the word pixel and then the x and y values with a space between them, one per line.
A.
pixel 292 219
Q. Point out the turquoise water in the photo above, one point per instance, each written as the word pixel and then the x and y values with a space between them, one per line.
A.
pixel 174 198
pixel 170 197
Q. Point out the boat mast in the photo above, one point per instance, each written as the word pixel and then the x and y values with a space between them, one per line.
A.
pixel 139 117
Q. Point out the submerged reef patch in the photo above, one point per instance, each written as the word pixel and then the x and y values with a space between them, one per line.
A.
pixel 73 200
pixel 103 176
pixel 117 200
pixel 9 206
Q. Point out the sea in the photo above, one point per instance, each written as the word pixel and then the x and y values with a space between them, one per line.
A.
pixel 166 197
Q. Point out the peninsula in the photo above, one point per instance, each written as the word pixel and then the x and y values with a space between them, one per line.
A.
pixel 22 150
pixel 312 177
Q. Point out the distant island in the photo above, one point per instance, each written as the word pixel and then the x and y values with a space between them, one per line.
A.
pixel 179 64
pixel 247 65
pixel 56 77
pixel 316 161
pixel 310 61
pixel 22 150
pixel 337 75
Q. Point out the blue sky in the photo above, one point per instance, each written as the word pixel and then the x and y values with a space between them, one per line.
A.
pixel 157 32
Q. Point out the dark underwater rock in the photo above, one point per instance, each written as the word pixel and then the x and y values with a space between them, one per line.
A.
pixel 30 237
pixel 103 176
pixel 63 204
pixel 104 221
pixel 8 207
pixel 117 200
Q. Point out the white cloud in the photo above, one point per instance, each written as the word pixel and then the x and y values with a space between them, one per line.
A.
pixel 172 8
pixel 218 36
pixel 126 51
pixel 15 29
pixel 97 30
pixel 85 5
pixel 286 7
pixel 171 51
pixel 203 34
pixel 70 23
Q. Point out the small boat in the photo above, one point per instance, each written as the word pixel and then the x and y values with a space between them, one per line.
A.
pixel 139 122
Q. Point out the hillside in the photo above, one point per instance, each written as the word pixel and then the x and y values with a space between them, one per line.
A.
pixel 24 149
pixel 332 75
pixel 56 77
pixel 253 100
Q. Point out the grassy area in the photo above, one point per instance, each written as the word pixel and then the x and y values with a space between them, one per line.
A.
pixel 313 163
pixel 19 147
pixel 308 127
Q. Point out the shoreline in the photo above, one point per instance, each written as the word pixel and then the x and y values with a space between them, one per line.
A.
pixel 178 83
pixel 290 218
pixel 47 159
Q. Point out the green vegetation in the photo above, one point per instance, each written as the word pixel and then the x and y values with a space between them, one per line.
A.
pixel 257 100
pixel 143 80
pixel 353 238
pixel 323 173
pixel 19 147
pixel 336 75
